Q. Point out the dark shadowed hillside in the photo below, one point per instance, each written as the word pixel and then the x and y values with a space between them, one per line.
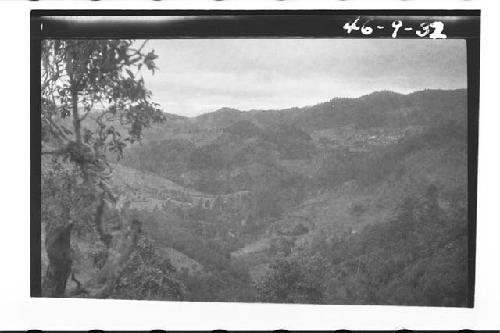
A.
pixel 342 188
pixel 383 108
pixel 352 201
pixel 342 200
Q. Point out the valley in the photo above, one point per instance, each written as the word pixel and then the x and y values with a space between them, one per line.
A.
pixel 246 204
pixel 277 191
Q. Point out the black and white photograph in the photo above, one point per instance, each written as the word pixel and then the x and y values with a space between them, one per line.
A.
pixel 267 169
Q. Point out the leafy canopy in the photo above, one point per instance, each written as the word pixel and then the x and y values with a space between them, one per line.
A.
pixel 101 80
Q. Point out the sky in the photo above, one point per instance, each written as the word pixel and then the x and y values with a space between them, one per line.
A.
pixel 202 75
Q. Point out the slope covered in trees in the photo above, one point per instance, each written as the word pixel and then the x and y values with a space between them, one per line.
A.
pixel 418 257
pixel 352 201
pixel 348 202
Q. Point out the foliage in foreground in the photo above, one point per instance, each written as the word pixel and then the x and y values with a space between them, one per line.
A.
pixel 93 103
pixel 418 258
pixel 149 276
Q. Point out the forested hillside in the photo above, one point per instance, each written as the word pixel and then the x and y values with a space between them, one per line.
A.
pixel 342 185
pixel 351 201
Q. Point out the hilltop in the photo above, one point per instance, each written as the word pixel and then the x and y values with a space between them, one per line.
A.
pixel 236 199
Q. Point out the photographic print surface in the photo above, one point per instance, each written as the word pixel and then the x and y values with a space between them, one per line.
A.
pixel 271 170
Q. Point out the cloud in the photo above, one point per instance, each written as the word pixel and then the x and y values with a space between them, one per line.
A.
pixel 201 75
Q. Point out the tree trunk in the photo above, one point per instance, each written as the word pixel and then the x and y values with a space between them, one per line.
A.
pixel 58 246
pixel 104 237
pixel 76 117
pixel 102 285
pixel 78 132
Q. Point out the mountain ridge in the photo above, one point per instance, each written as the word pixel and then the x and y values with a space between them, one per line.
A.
pixel 328 181
pixel 307 107
pixel 332 110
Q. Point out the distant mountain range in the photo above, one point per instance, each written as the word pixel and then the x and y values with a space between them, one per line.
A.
pixel 350 201
pixel 364 111
pixel 333 178
pixel 182 147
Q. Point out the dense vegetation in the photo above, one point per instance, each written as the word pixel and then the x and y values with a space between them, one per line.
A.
pixel 418 258
pixel 351 201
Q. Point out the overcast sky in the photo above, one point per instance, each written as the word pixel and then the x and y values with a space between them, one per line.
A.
pixel 201 75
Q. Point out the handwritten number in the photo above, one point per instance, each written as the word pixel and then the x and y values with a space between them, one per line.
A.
pixel 438 27
pixel 351 26
pixel 396 25
pixel 425 30
pixel 366 30
pixel 434 30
